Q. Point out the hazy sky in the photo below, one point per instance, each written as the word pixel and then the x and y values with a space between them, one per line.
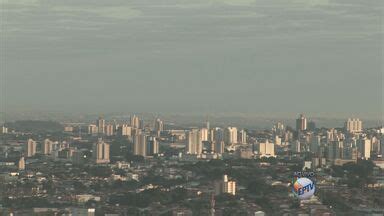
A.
pixel 255 56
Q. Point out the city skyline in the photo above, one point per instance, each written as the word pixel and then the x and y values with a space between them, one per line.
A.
pixel 191 107
pixel 250 121
pixel 109 163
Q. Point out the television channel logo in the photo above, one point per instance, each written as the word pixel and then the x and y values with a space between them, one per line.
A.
pixel 303 187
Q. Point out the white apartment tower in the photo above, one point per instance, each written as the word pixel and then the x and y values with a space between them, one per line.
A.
pixel 159 126
pixel 140 145
pixel 243 137
pixel 3 130
pixel 109 130
pixel 354 125
pixel 230 135
pixel 31 147
pixel 135 122
pixel 225 186
pixel 47 147
pixel 92 129
pixel 267 149
pixel 100 123
pixel 152 146
pixel 301 123
pixel 125 130
pixel 365 148
pixel 204 134
pixel 21 164
pixel 194 145
pixel 101 152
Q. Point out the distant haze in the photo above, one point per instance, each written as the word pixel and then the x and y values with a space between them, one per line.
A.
pixel 277 57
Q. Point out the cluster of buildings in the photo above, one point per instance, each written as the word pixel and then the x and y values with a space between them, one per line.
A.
pixel 80 158
pixel 225 186
pixel 101 128
pixel 213 140
pixel 328 146
pixel 337 146
pixel 144 140
pixel 63 151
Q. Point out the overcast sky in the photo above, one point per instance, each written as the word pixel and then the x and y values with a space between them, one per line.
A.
pixel 320 57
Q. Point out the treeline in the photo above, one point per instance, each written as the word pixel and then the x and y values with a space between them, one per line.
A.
pixel 35 126
pixel 145 198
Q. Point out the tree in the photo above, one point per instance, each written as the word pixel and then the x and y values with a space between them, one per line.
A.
pixel 100 171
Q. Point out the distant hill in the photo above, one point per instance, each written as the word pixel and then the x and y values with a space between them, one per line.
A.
pixel 35 126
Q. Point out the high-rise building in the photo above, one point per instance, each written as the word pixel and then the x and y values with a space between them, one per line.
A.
pixel 335 150
pixel 92 129
pixel 230 135
pixel 278 129
pixel 195 144
pixel 136 131
pixel 216 135
pixel 225 186
pixel 136 122
pixel 334 135
pixel 353 142
pixel 47 147
pixel 31 147
pixel 287 136
pixel 267 149
pixel 382 146
pixel 125 130
pixel 243 137
pixel 21 164
pixel 348 152
pixel 244 153
pixel 109 130
pixel 152 146
pixel 100 122
pixel 140 145
pixel 375 145
pixel 354 154
pixel 229 186
pixel 354 125
pixel 159 126
pixel 101 152
pixel 315 144
pixel 277 140
pixel 3 130
pixel 365 148
pixel 301 123
pixel 204 134
pixel 219 147
pixel 296 146
pixel 311 126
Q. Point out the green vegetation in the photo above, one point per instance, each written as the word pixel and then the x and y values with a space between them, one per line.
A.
pixel 118 146
pixel 26 202
pixel 337 203
pixel 198 206
pixel 356 174
pixel 211 170
pixel 145 198
pixel 158 180
pixel 99 171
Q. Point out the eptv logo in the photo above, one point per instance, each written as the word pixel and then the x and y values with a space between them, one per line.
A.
pixel 303 188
